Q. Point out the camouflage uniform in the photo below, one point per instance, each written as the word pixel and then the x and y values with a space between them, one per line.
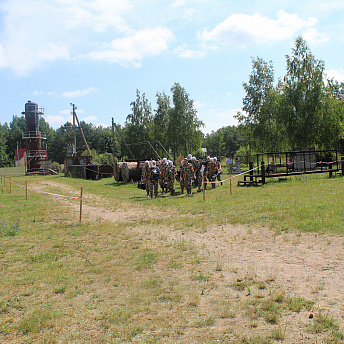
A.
pixel 218 170
pixel 154 175
pixel 170 177
pixel 198 174
pixel 162 178
pixel 145 177
pixel 186 174
pixel 212 171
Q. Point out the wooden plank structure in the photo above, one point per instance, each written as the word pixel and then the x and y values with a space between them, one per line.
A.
pixel 296 162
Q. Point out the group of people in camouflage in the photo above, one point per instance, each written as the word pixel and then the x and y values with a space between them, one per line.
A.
pixel 191 173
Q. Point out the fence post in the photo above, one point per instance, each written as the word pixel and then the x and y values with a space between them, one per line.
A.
pixel 10 185
pixel 203 185
pixel 250 167
pixel 81 203
pixel 330 168
pixel 230 185
pixel 26 190
pixel 263 172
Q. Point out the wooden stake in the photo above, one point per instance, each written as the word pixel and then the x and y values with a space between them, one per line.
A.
pixel 10 185
pixel 26 190
pixel 81 203
pixel 230 185
pixel 203 187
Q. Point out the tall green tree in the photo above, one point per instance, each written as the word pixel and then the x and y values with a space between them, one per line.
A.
pixel 161 118
pixel 259 116
pixel 50 135
pixel 302 96
pixel 4 159
pixel 184 127
pixel 64 136
pixel 14 136
pixel 331 117
pixel 224 141
pixel 139 124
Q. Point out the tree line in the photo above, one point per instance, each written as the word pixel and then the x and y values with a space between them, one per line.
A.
pixel 302 109
pixel 173 128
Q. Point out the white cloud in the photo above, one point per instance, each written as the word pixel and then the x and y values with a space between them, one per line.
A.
pixel 69 112
pixel 37 93
pixel 33 93
pixel 215 119
pixel 54 120
pixel 189 13
pixel 89 119
pixel 178 3
pixel 243 29
pixel 132 49
pixel 184 52
pixel 312 36
pixel 79 93
pixel 102 125
pixel 198 105
pixel 35 32
pixel 336 74
pixel 65 112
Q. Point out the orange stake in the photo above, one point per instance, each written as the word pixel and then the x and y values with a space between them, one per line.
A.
pixel 81 203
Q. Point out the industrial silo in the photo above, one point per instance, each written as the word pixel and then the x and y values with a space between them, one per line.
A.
pixel 33 137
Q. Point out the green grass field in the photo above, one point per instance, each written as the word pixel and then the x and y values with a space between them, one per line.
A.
pixel 122 282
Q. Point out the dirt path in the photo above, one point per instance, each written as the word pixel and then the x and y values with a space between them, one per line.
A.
pixel 305 265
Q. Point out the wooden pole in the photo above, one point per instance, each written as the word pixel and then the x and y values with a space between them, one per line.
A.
pixel 203 186
pixel 230 185
pixel 26 190
pixel 263 172
pixel 10 185
pixel 81 203
pixel 250 164
pixel 113 143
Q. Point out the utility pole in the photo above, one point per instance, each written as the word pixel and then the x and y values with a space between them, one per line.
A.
pixel 82 133
pixel 74 130
pixel 113 141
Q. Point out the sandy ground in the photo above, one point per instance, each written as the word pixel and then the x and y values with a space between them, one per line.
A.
pixel 305 265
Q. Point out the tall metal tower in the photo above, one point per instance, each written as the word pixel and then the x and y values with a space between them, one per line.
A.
pixel 33 137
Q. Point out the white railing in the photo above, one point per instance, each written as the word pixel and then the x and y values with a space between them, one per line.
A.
pixel 37 154
pixel 33 135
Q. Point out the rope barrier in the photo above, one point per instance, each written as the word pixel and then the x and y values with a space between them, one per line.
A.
pixel 45 192
pixel 49 193
pixel 232 177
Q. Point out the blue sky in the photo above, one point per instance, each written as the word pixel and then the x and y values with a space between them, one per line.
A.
pixel 96 53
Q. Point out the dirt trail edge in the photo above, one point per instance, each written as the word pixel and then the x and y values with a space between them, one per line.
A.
pixel 305 265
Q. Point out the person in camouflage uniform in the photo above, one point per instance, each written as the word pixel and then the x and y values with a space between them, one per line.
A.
pixel 170 177
pixel 218 168
pixel 154 175
pixel 198 173
pixel 212 172
pixel 186 175
pixel 145 176
pixel 162 179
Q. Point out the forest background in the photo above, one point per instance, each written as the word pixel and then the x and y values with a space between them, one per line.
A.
pixel 302 109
